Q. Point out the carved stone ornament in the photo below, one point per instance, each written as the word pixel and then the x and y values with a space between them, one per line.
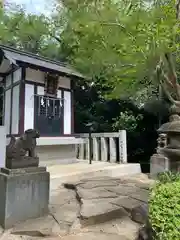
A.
pixel 162 142
pixel 21 152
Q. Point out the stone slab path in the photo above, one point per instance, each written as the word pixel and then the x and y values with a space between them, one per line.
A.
pixel 93 209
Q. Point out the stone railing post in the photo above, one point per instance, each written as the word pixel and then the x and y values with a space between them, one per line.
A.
pixel 87 149
pixel 96 145
pixel 77 149
pixel 81 151
pixel 112 149
pixel 122 146
pixel 104 149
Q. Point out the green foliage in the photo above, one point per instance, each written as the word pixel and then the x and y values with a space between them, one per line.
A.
pixel 110 41
pixel 164 207
pixel 117 43
pixel 121 39
pixel 29 32
pixel 168 177
pixel 127 120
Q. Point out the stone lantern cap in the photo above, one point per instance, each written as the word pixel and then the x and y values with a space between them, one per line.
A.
pixel 173 126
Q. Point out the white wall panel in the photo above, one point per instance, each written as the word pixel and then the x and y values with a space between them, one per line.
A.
pixel 59 94
pixel 17 75
pixel 67 112
pixel 15 110
pixel 29 107
pixel 7 119
pixel 40 90
pixel 8 80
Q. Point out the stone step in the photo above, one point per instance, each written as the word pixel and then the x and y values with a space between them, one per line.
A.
pixel 95 170
pixel 103 199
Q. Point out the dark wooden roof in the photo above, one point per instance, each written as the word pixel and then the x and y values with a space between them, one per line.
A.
pixel 17 56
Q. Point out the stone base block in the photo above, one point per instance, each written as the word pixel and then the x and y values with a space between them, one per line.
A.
pixel 24 195
pixel 57 154
pixel 175 166
pixel 158 164
pixel 25 162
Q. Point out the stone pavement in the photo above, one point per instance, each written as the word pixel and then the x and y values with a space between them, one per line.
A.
pixel 93 209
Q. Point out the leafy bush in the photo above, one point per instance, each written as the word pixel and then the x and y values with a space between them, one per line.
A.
pixel 164 207
pixel 168 177
pixel 127 120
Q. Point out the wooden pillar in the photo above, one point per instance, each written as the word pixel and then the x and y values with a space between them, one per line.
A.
pixel 112 149
pixel 122 146
pixel 104 149
pixel 96 146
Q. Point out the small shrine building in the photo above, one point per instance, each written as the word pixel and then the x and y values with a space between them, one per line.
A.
pixel 37 93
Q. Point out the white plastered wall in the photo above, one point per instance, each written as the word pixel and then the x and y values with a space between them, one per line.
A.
pixel 40 90
pixel 15 110
pixel 7 117
pixel 12 78
pixel 29 107
pixel 67 112
pixel 17 75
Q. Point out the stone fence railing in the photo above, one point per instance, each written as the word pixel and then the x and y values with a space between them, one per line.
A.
pixel 108 147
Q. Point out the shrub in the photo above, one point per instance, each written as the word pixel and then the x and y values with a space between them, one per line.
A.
pixel 164 207
pixel 168 177
pixel 127 120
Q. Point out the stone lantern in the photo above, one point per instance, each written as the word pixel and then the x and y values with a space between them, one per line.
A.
pixel 172 149
pixel 167 157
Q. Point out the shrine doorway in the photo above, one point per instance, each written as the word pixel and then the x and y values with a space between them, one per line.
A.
pixel 48 115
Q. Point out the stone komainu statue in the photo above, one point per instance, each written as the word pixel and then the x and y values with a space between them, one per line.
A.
pixel 162 142
pixel 23 147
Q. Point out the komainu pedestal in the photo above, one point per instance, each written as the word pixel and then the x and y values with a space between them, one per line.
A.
pixel 24 186
pixel 24 195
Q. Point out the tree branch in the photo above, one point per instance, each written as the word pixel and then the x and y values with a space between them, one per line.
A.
pixel 171 99
pixel 56 38
pixel 172 75
pixel 178 9
pixel 115 24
